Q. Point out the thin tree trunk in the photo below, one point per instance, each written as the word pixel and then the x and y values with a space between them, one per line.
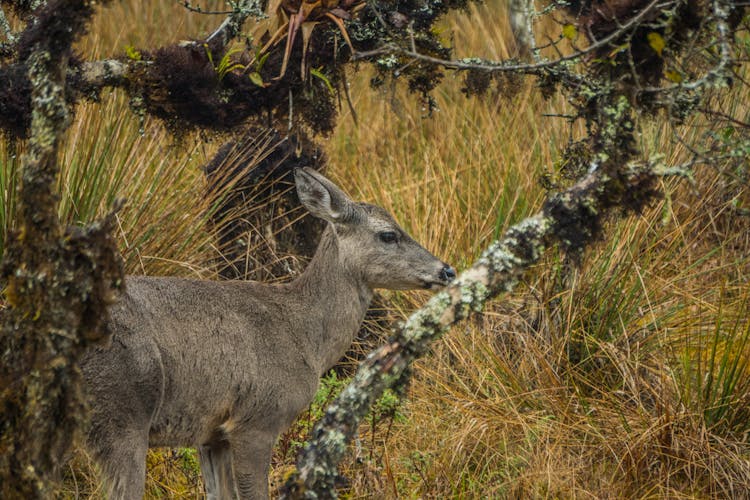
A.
pixel 57 282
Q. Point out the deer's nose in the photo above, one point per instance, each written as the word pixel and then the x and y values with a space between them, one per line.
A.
pixel 447 273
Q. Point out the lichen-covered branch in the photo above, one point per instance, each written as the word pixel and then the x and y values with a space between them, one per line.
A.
pixel 188 84
pixel 521 20
pixel 573 218
pixel 96 75
pixel 184 84
pixel 57 282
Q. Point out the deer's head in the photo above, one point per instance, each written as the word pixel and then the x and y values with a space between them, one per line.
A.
pixel 371 244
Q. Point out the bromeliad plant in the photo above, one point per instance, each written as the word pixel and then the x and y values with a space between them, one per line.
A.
pixel 295 16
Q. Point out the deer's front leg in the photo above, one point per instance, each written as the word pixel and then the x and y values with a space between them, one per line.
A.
pixel 251 456
pixel 123 462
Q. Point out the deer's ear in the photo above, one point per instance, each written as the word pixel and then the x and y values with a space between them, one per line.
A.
pixel 321 197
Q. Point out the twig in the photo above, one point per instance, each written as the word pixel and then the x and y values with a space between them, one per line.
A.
pixel 199 10
pixel 529 12
pixel 232 25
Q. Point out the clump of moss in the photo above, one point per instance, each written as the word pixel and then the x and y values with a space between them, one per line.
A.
pixel 641 189
pixel 477 82
pixel 577 212
pixel 647 53
pixel 576 160
pixel 184 87
pixel 56 25
pixel 317 107
pixel 572 165
pixel 576 222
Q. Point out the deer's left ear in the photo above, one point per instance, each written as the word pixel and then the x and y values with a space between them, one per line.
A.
pixel 323 198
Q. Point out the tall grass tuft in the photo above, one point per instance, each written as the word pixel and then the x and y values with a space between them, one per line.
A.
pixel 162 228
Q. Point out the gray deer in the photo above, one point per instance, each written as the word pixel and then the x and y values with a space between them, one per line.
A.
pixel 227 365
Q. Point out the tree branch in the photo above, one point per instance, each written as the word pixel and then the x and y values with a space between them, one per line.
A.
pixel 521 14
pixel 96 75
pixel 504 66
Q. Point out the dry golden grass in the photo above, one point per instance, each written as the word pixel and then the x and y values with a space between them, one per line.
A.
pixel 625 377
pixel 162 226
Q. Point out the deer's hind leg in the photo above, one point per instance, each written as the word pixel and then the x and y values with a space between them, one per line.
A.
pixel 216 467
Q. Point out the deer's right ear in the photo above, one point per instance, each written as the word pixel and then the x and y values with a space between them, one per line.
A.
pixel 321 197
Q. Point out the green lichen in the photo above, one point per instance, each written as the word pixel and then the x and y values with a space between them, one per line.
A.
pixel 388 62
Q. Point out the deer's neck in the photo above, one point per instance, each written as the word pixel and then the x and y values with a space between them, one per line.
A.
pixel 334 300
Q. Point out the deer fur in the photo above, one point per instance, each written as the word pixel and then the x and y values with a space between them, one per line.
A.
pixel 226 366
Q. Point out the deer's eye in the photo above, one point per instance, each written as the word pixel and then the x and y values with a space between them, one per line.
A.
pixel 388 237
